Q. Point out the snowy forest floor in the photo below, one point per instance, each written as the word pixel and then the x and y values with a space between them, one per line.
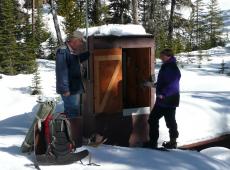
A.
pixel 204 113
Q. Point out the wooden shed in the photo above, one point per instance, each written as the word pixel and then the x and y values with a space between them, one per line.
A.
pixel 115 104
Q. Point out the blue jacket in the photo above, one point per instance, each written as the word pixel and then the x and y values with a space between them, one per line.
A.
pixel 168 84
pixel 68 71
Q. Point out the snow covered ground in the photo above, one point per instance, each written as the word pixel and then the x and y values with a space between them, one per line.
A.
pixel 204 113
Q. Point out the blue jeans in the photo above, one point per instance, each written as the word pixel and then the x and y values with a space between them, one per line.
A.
pixel 72 105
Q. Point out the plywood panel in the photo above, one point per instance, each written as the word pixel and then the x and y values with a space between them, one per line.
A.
pixel 108 81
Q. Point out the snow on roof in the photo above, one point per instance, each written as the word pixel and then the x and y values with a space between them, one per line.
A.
pixel 116 29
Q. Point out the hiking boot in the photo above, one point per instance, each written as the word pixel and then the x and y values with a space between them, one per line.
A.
pixel 170 144
pixel 150 145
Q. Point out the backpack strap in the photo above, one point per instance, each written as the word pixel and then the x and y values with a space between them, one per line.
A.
pixel 68 129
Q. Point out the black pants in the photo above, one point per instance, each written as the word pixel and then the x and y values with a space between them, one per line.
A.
pixel 169 115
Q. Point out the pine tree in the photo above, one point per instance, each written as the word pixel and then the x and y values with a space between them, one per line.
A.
pixel 95 11
pixel 199 24
pixel 52 45
pixel 154 16
pixel 40 35
pixel 18 44
pixel 73 12
pixel 8 44
pixel 120 11
pixel 190 32
pixel 171 23
pixel 214 23
pixel 36 83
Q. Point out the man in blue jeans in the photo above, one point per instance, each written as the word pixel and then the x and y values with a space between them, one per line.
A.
pixel 69 82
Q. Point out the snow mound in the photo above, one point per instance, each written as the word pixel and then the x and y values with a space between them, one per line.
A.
pixel 116 29
pixel 219 153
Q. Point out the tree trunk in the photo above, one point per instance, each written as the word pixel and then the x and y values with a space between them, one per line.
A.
pixel 33 17
pixel 135 11
pixel 56 25
pixel 170 28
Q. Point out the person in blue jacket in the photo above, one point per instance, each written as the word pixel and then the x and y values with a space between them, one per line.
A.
pixel 69 82
pixel 167 100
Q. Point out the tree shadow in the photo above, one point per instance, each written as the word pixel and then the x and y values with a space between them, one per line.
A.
pixel 137 158
pixel 16 126
pixel 220 98
pixel 23 90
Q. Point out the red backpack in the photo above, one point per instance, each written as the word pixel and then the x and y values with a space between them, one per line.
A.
pixel 56 130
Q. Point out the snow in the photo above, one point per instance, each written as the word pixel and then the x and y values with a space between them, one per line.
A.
pixel 204 113
pixel 219 153
pixel 116 29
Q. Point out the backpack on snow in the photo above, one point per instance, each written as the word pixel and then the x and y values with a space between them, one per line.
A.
pixel 54 143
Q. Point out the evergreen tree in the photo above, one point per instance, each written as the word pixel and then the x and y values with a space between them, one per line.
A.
pixel 214 24
pixel 52 45
pixel 171 23
pixel 28 3
pixel 73 12
pixel 119 11
pixel 199 24
pixel 36 83
pixel 18 44
pixel 154 16
pixel 28 54
pixel 98 12
pixel 8 44
pixel 190 33
pixel 40 35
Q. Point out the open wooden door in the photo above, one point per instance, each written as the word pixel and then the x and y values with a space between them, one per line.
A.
pixel 137 68
pixel 108 80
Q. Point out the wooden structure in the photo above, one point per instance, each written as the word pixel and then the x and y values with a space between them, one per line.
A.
pixel 115 104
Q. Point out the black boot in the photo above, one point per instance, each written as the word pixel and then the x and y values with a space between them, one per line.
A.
pixel 172 144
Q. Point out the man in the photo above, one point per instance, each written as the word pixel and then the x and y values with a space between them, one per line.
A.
pixel 167 99
pixel 69 82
